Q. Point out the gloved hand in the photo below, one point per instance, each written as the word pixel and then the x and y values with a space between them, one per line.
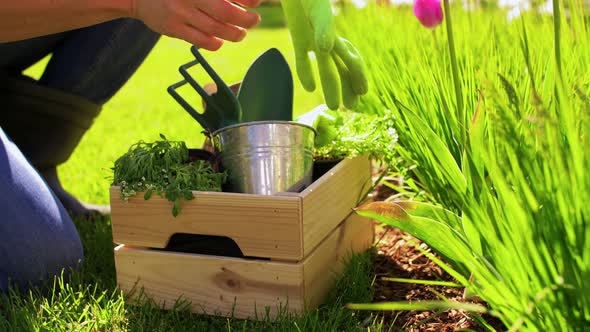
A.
pixel 341 68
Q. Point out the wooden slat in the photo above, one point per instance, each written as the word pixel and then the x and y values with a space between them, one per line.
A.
pixel 214 285
pixel 331 198
pixel 326 263
pixel 241 288
pixel 262 226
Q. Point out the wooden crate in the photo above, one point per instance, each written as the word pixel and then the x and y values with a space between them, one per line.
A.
pixel 302 239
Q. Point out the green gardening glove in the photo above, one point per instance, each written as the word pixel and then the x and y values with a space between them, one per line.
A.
pixel 341 68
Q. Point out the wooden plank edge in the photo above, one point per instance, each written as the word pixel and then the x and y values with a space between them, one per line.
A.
pixel 309 245
pixel 145 229
pixel 354 235
pixel 115 193
pixel 281 308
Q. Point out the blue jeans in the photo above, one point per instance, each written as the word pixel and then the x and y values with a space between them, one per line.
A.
pixel 92 62
pixel 37 237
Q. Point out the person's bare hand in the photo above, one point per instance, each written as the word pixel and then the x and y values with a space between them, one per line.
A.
pixel 204 23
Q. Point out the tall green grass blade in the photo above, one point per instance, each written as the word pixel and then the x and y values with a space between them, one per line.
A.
pixel 437 154
pixel 524 45
pixel 473 163
pixel 481 322
pixel 511 94
pixel 430 211
pixel 421 305
pixel 424 282
pixel 557 34
pixel 453 56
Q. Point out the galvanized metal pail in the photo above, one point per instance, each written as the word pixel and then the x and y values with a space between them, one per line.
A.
pixel 266 157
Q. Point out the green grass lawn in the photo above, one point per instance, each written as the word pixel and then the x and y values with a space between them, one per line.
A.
pixel 141 111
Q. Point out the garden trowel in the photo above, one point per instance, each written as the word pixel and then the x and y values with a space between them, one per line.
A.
pixel 266 93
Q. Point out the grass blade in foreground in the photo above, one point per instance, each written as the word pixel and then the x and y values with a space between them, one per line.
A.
pixel 443 239
pixel 422 305
pixel 424 282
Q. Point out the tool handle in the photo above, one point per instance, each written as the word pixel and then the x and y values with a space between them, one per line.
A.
pixel 188 78
pixel 221 86
pixel 196 115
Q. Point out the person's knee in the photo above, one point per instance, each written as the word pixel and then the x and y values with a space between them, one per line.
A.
pixel 37 237
pixel 37 257
pixel 67 253
pixel 39 250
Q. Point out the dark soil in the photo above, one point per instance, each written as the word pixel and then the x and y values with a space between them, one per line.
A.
pixel 396 256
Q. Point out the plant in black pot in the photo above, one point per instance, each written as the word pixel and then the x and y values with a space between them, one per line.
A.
pixel 167 168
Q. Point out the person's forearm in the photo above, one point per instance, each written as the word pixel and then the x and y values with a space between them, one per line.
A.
pixel 22 19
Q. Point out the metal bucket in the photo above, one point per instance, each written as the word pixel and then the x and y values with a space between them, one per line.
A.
pixel 266 157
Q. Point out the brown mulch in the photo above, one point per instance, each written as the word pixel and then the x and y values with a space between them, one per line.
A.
pixel 396 256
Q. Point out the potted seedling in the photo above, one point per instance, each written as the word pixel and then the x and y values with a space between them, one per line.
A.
pixel 167 168
pixel 346 134
pixel 253 132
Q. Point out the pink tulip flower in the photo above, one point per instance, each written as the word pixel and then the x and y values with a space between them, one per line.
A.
pixel 428 12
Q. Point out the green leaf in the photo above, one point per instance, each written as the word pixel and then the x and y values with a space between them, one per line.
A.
pixel 448 242
pixel 473 234
pixel 425 282
pixel 427 210
pixel 176 207
pixel 510 93
pixel 326 130
pixel 473 155
pixel 188 195
pixel 420 305
pixel 148 194
pixel 438 150
pixel 477 135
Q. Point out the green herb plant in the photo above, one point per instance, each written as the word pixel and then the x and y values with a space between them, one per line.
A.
pixel 346 134
pixel 163 167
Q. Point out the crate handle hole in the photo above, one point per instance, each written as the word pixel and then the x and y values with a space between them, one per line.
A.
pixel 321 167
pixel 204 245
